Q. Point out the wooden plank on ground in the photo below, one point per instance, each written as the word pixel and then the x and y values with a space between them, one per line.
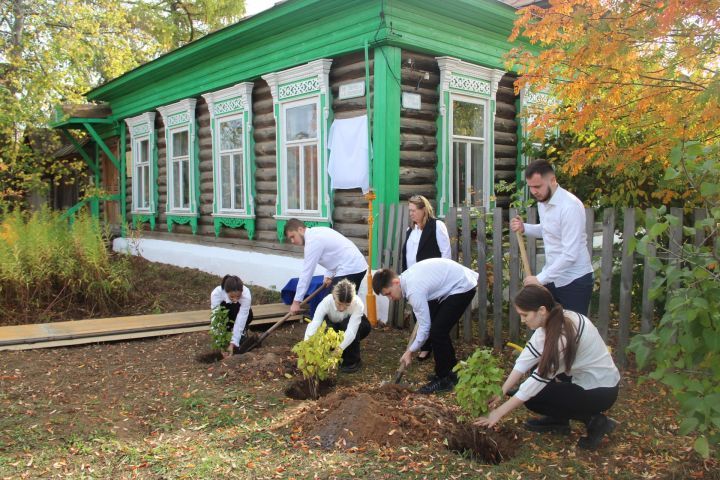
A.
pixel 57 331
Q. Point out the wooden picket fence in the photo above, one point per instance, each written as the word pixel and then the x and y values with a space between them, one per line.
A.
pixel 498 258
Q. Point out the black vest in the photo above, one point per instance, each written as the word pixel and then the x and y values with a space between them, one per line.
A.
pixel 428 246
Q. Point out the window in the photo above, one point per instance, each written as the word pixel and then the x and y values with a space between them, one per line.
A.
pixel 231 122
pixel 466 136
pixel 300 158
pixel 468 142
pixel 183 175
pixel 301 97
pixel 143 173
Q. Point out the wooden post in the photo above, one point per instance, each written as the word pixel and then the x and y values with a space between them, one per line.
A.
pixel 648 310
pixel 497 282
pixel 451 223
pixel 370 297
pixel 589 232
pixel 513 317
pixel 482 278
pixel 626 280
pixel 531 242
pixel 467 261
pixel 606 265
pixel 700 215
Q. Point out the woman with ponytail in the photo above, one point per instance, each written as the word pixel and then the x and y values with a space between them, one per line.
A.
pixel 573 377
pixel 343 311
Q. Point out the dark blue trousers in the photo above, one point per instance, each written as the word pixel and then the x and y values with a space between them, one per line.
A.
pixel 575 295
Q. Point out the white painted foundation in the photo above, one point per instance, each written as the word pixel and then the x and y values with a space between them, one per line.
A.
pixel 262 269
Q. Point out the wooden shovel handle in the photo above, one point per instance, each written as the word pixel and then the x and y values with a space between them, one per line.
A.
pixel 523 254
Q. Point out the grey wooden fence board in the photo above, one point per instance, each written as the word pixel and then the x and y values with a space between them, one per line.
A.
pixel 648 310
pixel 497 283
pixel 606 265
pixel 626 274
pixel 589 233
pixel 482 277
pixel 467 261
pixel 452 231
pixel 514 264
pixel 675 240
pixel 700 215
pixel 531 242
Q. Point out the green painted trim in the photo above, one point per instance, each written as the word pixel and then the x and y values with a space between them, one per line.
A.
pixel 99 141
pixel 193 169
pixel 280 226
pixel 443 153
pixel 143 218
pixel 491 154
pixel 94 200
pixel 250 166
pixel 520 162
pixel 79 122
pixel 375 254
pixel 234 222
pixel 278 160
pixel 180 219
pixel 79 149
pixel 196 161
pixel 123 179
pixel 386 126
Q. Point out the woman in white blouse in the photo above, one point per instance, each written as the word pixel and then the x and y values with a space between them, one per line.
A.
pixel 573 375
pixel 426 237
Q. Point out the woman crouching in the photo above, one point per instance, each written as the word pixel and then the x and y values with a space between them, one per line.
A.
pixel 574 376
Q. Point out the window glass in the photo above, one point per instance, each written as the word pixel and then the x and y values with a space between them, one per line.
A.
pixel 180 143
pixel 310 174
pixel 468 119
pixel 293 178
pixel 226 177
pixel 239 181
pixel 301 122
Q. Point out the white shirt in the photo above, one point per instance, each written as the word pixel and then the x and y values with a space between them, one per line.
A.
pixel 335 253
pixel 413 242
pixel 433 279
pixel 593 366
pixel 219 295
pixel 327 307
pixel 562 228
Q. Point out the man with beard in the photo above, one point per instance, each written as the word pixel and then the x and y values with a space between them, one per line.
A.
pixel 335 253
pixel 568 272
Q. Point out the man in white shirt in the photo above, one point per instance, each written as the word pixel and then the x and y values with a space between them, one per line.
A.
pixel 568 271
pixel 335 253
pixel 439 291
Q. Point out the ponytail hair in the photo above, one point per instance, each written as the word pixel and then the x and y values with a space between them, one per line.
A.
pixel 232 283
pixel 344 291
pixel 558 328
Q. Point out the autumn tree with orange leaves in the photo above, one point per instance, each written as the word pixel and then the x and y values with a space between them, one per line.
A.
pixel 636 89
pixel 636 79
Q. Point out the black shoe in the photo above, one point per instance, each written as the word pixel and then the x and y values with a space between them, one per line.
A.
pixel 444 384
pixel 548 424
pixel 598 426
pixel 351 368
pixel 431 377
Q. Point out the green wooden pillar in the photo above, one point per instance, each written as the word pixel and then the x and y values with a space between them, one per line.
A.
pixel 123 179
pixel 386 131
pixel 95 202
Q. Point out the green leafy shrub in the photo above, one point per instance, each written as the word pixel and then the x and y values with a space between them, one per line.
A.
pixel 479 380
pixel 219 335
pixel 319 356
pixel 48 266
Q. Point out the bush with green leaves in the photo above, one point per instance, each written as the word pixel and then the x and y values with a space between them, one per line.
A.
pixel 48 267
pixel 479 380
pixel 684 347
pixel 219 335
pixel 319 356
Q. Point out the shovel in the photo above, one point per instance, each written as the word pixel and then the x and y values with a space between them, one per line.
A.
pixel 401 369
pixel 252 344
pixel 523 254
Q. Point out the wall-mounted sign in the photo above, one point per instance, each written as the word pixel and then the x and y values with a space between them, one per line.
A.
pixel 411 100
pixel 352 90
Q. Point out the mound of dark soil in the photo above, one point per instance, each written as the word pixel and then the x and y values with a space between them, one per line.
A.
pixel 392 415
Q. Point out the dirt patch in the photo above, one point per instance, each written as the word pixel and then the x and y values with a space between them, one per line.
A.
pixel 267 362
pixel 300 389
pixel 391 416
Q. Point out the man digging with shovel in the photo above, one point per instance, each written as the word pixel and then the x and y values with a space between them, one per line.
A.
pixel 439 290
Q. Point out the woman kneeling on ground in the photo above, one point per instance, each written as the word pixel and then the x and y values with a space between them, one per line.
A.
pixel 343 310
pixel 574 376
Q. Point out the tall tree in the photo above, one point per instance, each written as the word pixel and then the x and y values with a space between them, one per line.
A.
pixel 636 79
pixel 56 50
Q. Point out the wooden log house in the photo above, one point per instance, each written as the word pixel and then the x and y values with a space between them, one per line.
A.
pixel 221 141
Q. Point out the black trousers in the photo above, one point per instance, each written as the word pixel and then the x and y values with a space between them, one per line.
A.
pixel 443 317
pixel 562 399
pixel 233 310
pixel 351 354
pixel 575 295
pixel 354 278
